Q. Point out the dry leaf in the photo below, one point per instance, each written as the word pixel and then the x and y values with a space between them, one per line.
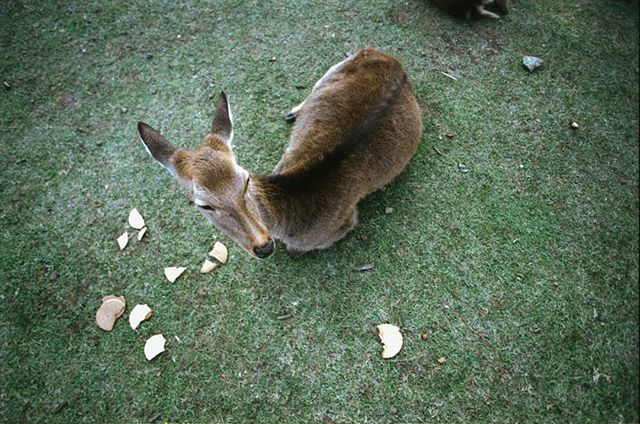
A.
pixel 110 310
pixel 141 233
pixel 154 346
pixel 138 314
pixel 123 240
pixel 391 339
pixel 219 252
pixel 207 266
pixel 135 219
pixel 172 273
pixel 442 360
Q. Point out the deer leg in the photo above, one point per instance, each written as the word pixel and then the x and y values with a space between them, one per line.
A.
pixel 342 230
pixel 487 14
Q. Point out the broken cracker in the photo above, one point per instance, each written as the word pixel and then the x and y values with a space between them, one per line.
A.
pixel 219 252
pixel 138 314
pixel 154 346
pixel 172 273
pixel 110 310
pixel 135 219
pixel 123 240
pixel 391 338
pixel 207 266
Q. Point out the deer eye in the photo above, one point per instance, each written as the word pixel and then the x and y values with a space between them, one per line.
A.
pixel 206 208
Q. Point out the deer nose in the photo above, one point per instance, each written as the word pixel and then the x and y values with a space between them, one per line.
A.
pixel 264 251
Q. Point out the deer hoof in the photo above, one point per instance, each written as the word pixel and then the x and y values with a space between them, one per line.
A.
pixel 290 117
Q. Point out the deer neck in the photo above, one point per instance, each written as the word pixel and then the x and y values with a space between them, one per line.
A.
pixel 269 199
pixel 280 199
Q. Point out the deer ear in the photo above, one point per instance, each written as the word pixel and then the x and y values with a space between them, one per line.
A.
pixel 157 146
pixel 223 120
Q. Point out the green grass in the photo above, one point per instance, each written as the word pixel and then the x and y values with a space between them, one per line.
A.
pixel 524 270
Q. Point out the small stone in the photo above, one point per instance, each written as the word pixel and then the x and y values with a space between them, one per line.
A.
pixel 53 276
pixel 450 134
pixel 574 125
pixel 424 335
pixel 463 168
pixel 365 267
pixel 442 360
pixel 532 63
pixel 388 210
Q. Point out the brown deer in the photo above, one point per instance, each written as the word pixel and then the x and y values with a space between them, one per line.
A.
pixel 467 9
pixel 353 134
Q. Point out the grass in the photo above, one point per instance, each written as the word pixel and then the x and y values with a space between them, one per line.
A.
pixel 524 271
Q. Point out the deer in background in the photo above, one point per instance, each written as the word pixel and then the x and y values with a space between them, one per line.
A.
pixel 354 133
pixel 467 9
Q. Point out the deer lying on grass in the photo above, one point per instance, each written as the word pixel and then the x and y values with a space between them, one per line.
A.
pixel 353 134
pixel 467 9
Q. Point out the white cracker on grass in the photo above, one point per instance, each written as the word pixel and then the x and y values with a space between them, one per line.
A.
pixel 391 338
pixel 207 266
pixel 110 310
pixel 135 219
pixel 172 273
pixel 123 240
pixel 138 314
pixel 154 346
pixel 219 252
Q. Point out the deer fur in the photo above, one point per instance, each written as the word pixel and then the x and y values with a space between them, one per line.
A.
pixel 467 9
pixel 355 132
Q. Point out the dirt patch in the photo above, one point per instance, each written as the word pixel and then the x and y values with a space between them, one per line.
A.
pixel 68 99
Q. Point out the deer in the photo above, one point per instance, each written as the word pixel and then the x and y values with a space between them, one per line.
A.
pixel 354 133
pixel 467 9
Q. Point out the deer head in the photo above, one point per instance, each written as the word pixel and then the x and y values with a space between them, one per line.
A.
pixel 217 184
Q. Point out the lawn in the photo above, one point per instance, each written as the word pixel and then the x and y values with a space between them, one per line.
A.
pixel 522 273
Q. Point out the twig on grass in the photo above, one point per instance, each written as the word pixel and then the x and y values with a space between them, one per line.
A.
pixel 450 76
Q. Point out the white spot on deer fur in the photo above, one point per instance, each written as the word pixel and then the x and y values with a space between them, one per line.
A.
pixel 145 146
pixel 230 119
pixel 295 109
